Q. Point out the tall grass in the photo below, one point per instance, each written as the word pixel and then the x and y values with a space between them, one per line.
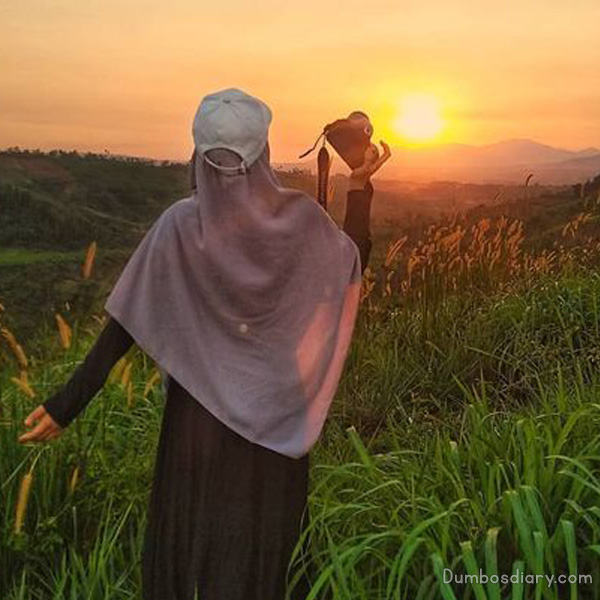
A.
pixel 494 488
pixel 464 435
pixel 79 532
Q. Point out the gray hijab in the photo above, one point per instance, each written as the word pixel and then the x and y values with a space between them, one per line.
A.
pixel 246 293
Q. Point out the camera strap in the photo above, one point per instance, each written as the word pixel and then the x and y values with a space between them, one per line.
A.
pixel 314 145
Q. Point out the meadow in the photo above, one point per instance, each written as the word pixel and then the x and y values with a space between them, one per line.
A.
pixel 464 434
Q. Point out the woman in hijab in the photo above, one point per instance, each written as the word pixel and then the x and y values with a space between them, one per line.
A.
pixel 245 294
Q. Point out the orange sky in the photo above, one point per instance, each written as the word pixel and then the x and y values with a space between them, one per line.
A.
pixel 127 75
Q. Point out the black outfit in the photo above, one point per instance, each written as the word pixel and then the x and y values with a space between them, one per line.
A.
pixel 224 513
pixel 357 223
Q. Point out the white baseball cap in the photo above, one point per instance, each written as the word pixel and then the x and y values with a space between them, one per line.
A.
pixel 233 120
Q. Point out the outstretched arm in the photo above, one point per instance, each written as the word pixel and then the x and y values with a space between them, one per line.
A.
pixel 59 410
pixel 383 158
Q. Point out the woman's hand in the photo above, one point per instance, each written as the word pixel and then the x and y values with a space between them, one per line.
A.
pixel 46 428
pixel 386 152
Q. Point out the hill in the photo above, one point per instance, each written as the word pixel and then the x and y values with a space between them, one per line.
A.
pixel 506 162
pixel 53 205
pixel 464 428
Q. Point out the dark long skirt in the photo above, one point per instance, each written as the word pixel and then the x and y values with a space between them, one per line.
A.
pixel 224 514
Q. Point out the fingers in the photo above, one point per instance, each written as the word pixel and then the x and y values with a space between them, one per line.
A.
pixel 34 416
pixel 37 434
pixel 46 429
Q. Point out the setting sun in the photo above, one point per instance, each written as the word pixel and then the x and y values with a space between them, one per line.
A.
pixel 419 119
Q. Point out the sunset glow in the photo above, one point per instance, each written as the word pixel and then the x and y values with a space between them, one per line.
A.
pixel 410 66
pixel 419 119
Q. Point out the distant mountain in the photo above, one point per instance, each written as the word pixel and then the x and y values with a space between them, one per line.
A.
pixel 508 161
pixel 517 152
pixel 501 154
pixel 588 152
pixel 584 162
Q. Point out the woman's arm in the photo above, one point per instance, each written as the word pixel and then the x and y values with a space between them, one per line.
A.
pixel 358 219
pixel 89 377
pixel 61 408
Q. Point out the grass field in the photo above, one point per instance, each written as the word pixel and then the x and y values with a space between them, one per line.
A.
pixel 25 256
pixel 464 435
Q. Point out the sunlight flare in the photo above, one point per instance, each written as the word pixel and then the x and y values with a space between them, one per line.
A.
pixel 419 119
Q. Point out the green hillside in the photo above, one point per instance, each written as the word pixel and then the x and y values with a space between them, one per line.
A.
pixel 463 435
pixel 53 205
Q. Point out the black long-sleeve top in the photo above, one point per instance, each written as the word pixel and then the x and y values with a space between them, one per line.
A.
pixel 114 341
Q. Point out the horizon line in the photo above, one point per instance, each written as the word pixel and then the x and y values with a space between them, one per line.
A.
pixel 409 148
